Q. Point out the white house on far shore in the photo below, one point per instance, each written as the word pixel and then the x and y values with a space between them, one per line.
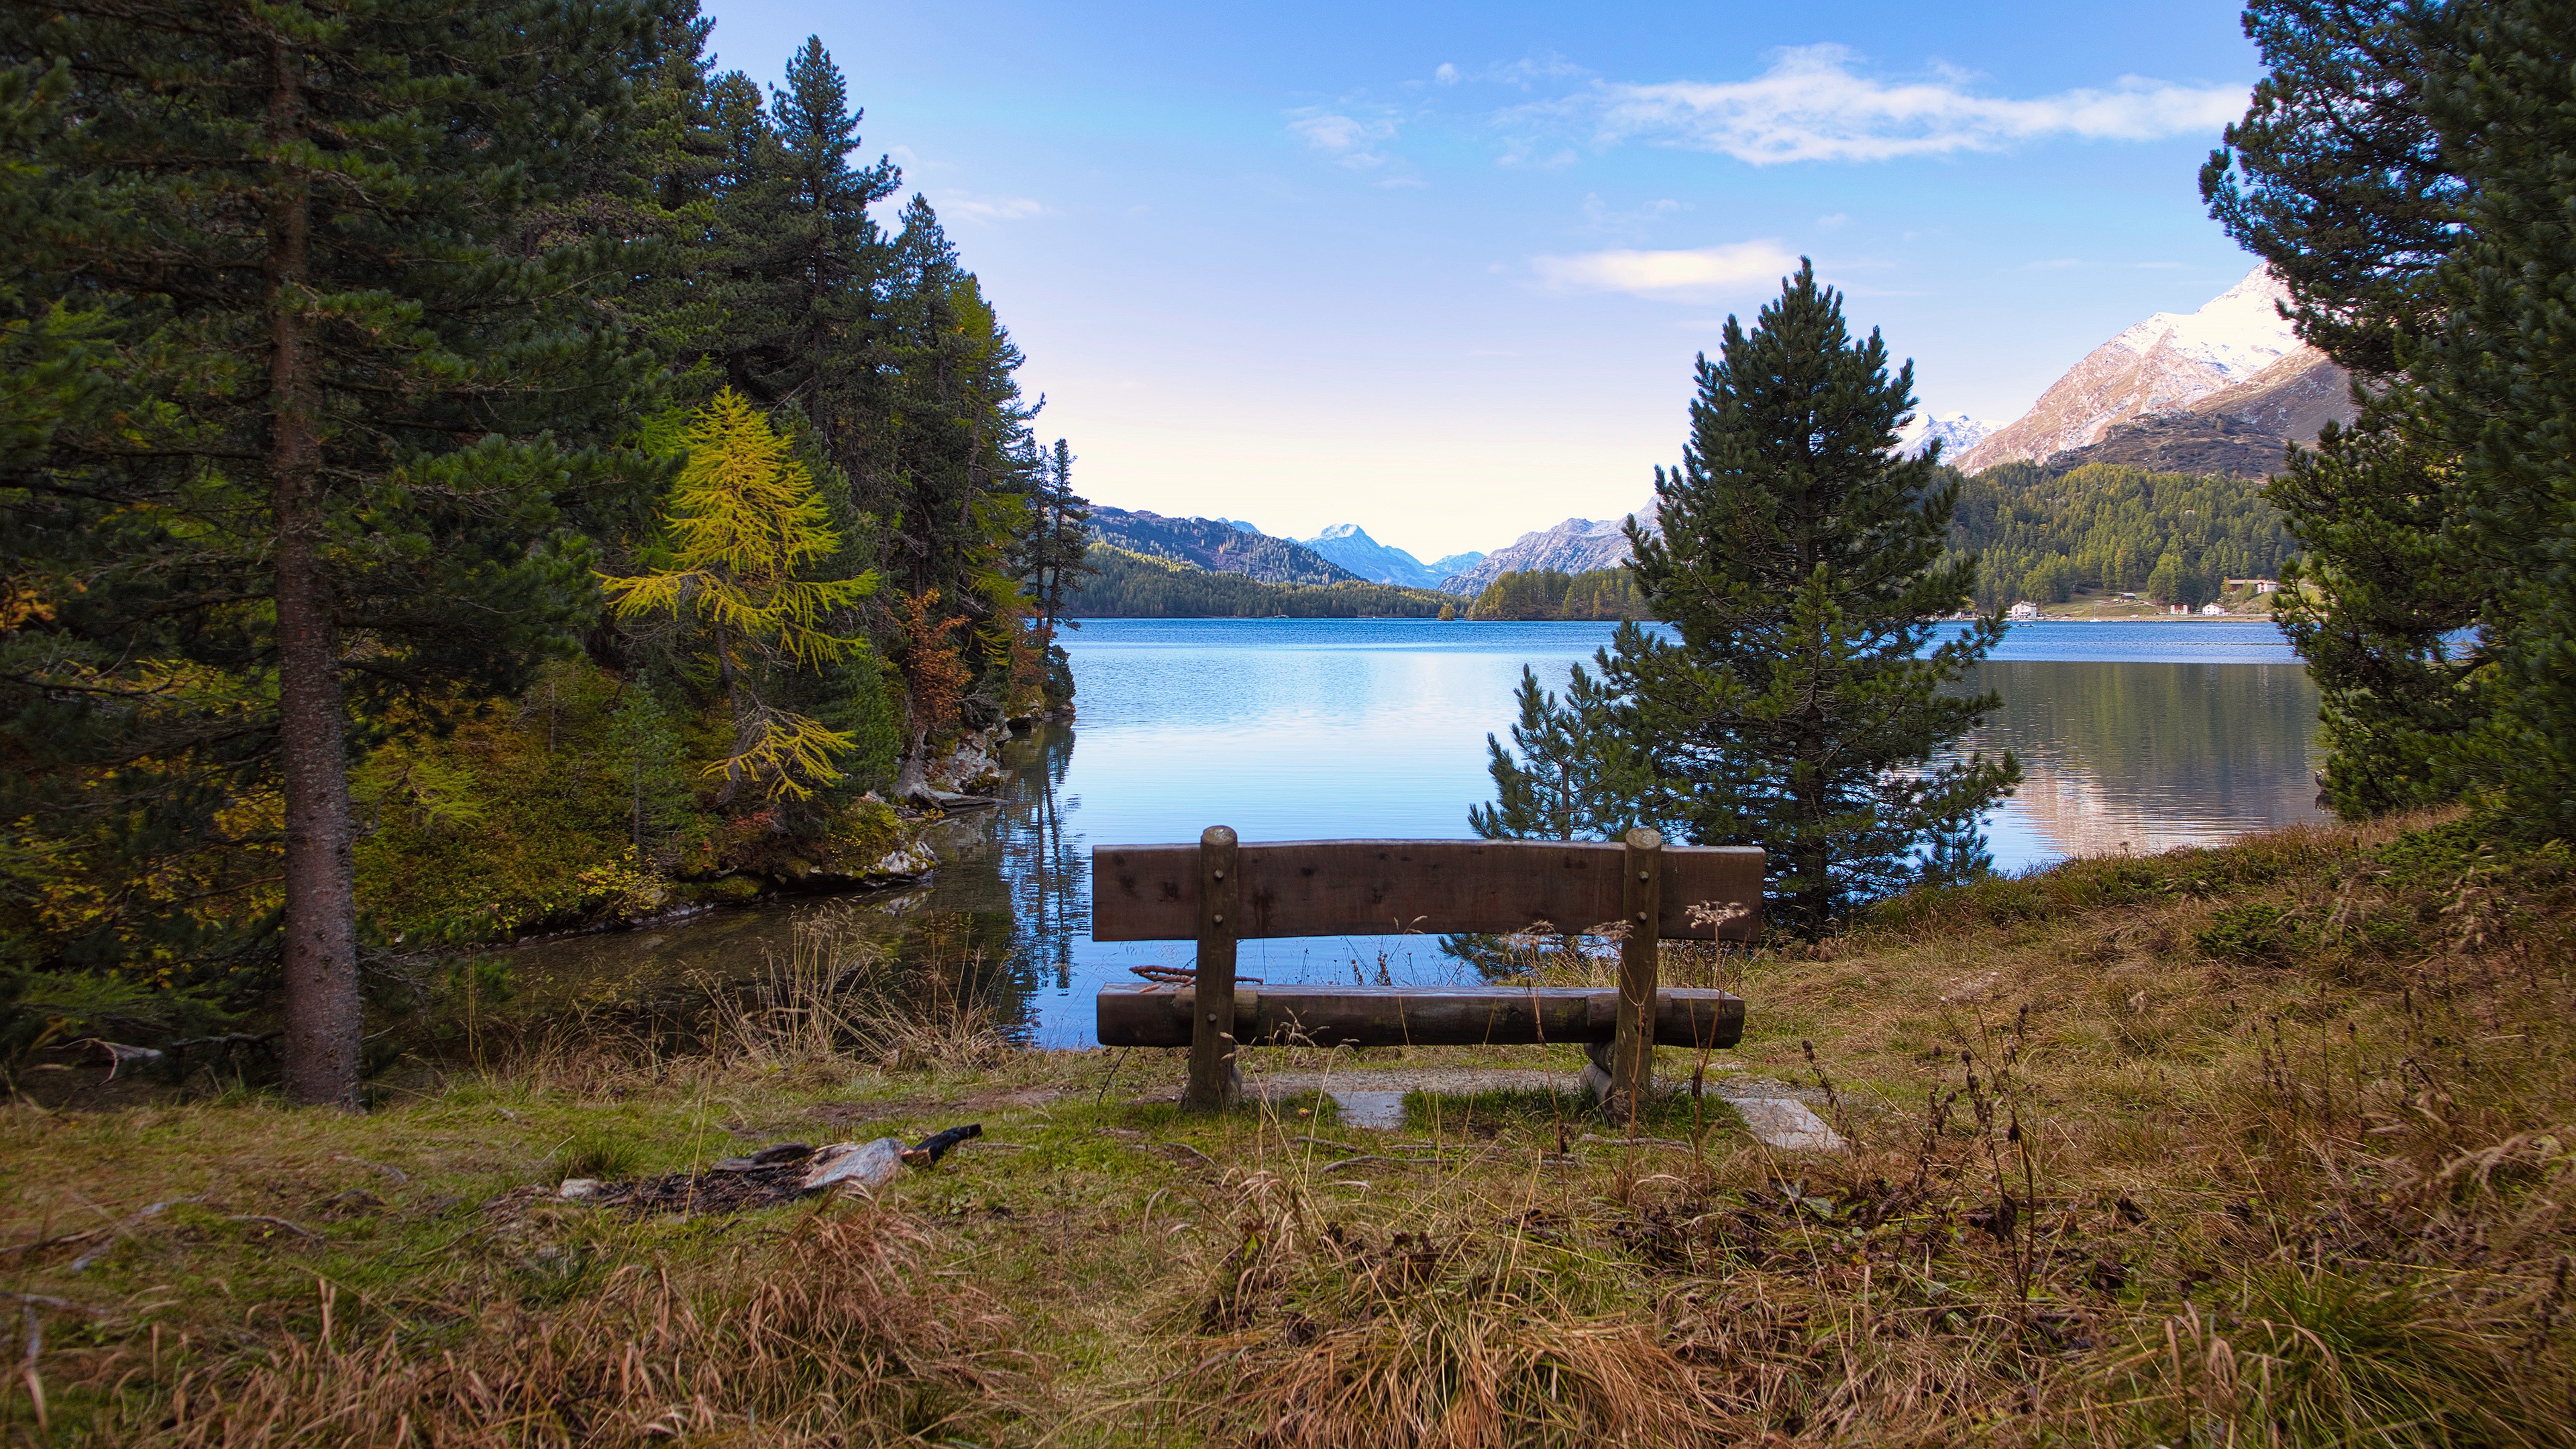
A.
pixel 2023 610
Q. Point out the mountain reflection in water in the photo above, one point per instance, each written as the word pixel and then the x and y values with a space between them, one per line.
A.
pixel 2137 736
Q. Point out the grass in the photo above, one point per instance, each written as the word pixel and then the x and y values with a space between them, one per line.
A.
pixel 2273 1144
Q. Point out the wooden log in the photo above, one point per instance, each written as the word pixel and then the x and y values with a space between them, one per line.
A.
pixel 1397 887
pixel 1214 1084
pixel 928 1151
pixel 1322 1015
pixel 1632 1055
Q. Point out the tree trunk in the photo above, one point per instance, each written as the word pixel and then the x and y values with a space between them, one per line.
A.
pixel 323 1018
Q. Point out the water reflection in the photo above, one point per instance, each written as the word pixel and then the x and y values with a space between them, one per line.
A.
pixel 2129 735
pixel 2149 756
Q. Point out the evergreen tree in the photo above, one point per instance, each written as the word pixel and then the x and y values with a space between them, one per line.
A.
pixel 2375 608
pixel 1571 773
pixel 349 352
pixel 2404 169
pixel 2497 378
pixel 1801 561
pixel 807 261
pixel 1055 561
pixel 645 753
pixel 2336 175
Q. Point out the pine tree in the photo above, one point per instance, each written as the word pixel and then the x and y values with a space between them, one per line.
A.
pixel 2404 168
pixel 2497 379
pixel 350 355
pixel 1801 562
pixel 744 525
pixel 644 748
pixel 1571 773
pixel 2336 175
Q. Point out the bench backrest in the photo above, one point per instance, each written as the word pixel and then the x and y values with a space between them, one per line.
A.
pixel 1430 887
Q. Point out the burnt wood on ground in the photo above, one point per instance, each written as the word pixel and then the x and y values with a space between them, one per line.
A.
pixel 1162 1016
pixel 1430 887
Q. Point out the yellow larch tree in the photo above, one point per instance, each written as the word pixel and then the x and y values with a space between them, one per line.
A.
pixel 743 525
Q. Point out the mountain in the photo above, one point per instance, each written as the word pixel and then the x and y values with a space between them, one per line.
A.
pixel 1133 586
pixel 1348 545
pixel 1216 545
pixel 1956 434
pixel 1456 563
pixel 1575 546
pixel 2233 359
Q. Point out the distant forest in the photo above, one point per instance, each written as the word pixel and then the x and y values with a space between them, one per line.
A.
pixel 1609 593
pixel 1132 586
pixel 2171 536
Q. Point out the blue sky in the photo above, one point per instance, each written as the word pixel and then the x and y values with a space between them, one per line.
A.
pixel 1440 270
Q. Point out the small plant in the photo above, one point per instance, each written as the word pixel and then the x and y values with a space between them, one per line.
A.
pixel 2258 933
pixel 596 1152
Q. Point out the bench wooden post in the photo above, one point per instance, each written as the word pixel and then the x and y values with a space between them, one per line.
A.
pixel 1213 1079
pixel 1632 1050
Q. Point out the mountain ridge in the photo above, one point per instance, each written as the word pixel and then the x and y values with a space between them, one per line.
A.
pixel 1216 545
pixel 1578 545
pixel 1349 546
pixel 2220 386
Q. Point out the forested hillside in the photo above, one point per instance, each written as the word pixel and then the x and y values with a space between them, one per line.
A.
pixel 1132 586
pixel 502 410
pixel 1219 546
pixel 1550 594
pixel 2170 536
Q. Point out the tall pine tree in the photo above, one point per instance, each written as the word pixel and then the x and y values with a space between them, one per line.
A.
pixel 2404 167
pixel 354 355
pixel 1801 563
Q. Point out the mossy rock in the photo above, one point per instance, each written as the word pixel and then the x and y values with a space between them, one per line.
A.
pixel 728 890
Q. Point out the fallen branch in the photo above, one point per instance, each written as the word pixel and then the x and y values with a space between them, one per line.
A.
pixel 928 1151
pixel 1634 1141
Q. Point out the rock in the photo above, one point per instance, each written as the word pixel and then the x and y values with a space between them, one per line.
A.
pixel 909 859
pixel 1786 1123
pixel 580 1189
pixel 848 1165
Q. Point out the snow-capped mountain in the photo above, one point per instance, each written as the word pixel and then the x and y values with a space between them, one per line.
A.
pixel 2161 365
pixel 1571 547
pixel 1350 546
pixel 1956 434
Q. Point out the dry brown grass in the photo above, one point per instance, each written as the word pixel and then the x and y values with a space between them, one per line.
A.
pixel 2269 1145
pixel 840 995
pixel 1469 1330
pixel 828 1335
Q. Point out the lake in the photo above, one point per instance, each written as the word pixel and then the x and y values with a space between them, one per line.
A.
pixel 2132 735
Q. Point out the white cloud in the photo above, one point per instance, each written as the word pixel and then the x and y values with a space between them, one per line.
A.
pixel 1351 140
pixel 1690 275
pixel 1834 221
pixel 989 208
pixel 1811 105
pixel 1447 74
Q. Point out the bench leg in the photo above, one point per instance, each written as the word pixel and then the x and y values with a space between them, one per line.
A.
pixel 1215 1084
pixel 1632 1050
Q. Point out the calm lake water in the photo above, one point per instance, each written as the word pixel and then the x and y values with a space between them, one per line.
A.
pixel 2140 736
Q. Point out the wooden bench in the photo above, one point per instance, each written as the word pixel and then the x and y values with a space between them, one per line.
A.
pixel 1218 892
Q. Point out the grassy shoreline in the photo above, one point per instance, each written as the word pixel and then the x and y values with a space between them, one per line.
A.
pixel 2268 1143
